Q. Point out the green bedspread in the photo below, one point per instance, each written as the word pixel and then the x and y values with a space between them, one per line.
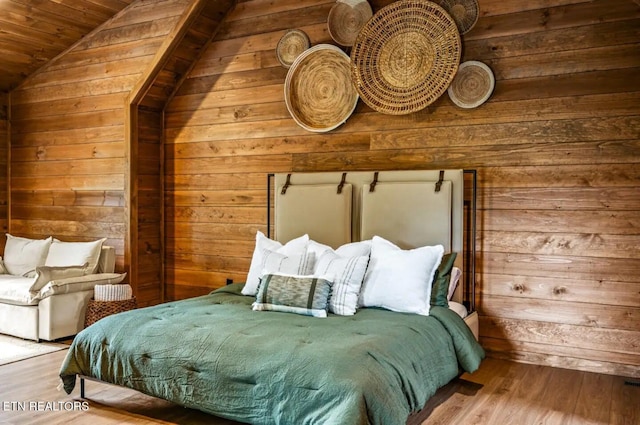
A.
pixel 215 354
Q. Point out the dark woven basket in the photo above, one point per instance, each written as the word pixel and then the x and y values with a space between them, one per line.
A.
pixel 97 310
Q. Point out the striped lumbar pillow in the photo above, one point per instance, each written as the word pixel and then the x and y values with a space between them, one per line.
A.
pixel 307 295
pixel 348 274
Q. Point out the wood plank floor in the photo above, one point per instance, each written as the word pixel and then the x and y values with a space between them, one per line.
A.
pixel 500 392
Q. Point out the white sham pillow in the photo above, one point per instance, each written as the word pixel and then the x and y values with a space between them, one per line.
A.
pixel 460 309
pixel 453 282
pixel 347 275
pixel 292 265
pixel 355 249
pixel 23 255
pixel 352 249
pixel 264 249
pixel 317 248
pixel 400 280
pixel 65 254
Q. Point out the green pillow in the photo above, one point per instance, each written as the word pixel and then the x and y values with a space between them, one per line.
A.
pixel 307 295
pixel 440 283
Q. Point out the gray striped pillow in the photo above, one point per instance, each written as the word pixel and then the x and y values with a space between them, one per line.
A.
pixel 348 273
pixel 307 295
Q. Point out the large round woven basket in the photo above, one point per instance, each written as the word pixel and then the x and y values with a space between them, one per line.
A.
pixel 405 56
pixel 318 90
pixel 291 45
pixel 97 310
pixel 464 12
pixel 346 17
pixel 472 85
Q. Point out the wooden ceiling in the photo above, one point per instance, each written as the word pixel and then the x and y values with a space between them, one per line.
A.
pixel 32 32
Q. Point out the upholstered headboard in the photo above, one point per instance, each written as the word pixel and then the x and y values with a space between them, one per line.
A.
pixel 408 208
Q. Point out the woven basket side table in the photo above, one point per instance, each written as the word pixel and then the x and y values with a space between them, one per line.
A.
pixel 97 310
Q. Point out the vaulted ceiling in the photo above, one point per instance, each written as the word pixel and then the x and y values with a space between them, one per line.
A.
pixel 32 32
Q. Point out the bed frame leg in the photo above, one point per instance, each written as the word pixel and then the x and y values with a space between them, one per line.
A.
pixel 82 387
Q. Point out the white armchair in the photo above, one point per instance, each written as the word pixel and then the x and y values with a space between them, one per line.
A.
pixel 58 309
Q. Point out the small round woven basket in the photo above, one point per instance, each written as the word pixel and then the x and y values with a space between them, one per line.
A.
pixel 291 45
pixel 464 12
pixel 97 310
pixel 346 17
pixel 405 56
pixel 472 85
pixel 318 90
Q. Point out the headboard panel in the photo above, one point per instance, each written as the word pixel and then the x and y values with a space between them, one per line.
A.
pixel 316 209
pixel 410 214
pixel 409 208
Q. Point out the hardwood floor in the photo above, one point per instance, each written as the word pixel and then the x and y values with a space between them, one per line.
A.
pixel 500 392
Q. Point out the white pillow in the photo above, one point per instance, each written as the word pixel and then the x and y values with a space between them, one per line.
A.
pixel 64 254
pixel 3 270
pixel 23 255
pixel 400 280
pixel 317 248
pixel 347 275
pixel 355 249
pixel 263 248
pixel 293 265
pixel 453 282
pixel 460 309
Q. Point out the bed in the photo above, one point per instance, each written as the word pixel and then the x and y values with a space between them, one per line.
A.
pixel 217 354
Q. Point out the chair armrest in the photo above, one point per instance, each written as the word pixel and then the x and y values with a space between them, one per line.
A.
pixel 80 283
pixel 107 260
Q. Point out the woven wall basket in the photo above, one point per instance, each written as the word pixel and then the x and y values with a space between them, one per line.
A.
pixel 464 12
pixel 405 56
pixel 472 85
pixel 346 17
pixel 318 90
pixel 291 45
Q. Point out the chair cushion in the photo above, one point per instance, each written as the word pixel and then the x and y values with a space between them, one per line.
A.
pixel 15 290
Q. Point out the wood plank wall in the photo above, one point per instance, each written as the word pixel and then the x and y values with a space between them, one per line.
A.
pixel 201 22
pixel 148 261
pixel 68 126
pixel 557 149
pixel 4 164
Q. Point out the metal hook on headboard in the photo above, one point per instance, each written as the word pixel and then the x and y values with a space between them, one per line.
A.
pixel 286 185
pixel 439 182
pixel 373 184
pixel 342 182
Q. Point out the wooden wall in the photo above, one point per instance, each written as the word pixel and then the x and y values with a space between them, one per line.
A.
pixel 146 218
pixel 69 159
pixel 557 149
pixel 4 163
pixel 180 51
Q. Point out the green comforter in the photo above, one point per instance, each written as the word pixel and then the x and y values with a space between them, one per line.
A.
pixel 215 354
